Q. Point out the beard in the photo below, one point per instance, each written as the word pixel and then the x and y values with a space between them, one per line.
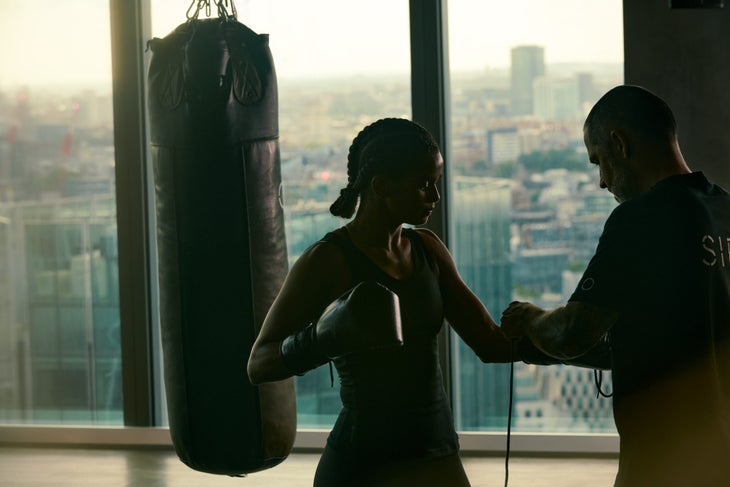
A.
pixel 624 186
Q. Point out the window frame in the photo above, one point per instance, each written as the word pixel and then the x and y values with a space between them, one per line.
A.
pixel 130 25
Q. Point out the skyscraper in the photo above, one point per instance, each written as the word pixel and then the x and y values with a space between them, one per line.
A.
pixel 481 250
pixel 61 332
pixel 527 64
pixel 557 98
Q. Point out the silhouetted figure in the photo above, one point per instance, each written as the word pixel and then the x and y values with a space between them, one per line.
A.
pixel 657 292
pixel 396 426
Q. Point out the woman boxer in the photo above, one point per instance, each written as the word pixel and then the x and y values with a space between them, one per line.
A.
pixel 395 426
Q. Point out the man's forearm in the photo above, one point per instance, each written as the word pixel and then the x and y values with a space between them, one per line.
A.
pixel 569 331
pixel 597 357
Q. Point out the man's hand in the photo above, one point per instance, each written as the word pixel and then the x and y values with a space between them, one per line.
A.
pixel 565 332
pixel 518 318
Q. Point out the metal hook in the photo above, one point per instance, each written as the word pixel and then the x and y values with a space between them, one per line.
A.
pixel 201 4
pixel 190 8
pixel 223 11
pixel 221 6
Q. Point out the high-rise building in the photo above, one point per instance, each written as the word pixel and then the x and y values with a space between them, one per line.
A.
pixel 560 398
pixel 61 336
pixel 8 338
pixel 588 94
pixel 481 250
pixel 557 98
pixel 527 64
pixel 503 145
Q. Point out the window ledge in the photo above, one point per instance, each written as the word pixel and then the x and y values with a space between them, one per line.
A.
pixel 306 439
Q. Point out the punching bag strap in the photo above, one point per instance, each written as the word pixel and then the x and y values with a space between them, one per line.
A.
pixel 220 4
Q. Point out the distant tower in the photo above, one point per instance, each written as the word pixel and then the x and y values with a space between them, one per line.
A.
pixel 586 91
pixel 528 63
pixel 557 98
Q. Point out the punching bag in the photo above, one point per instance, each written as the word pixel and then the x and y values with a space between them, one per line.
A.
pixel 222 254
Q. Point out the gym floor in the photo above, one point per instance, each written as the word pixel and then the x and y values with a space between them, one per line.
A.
pixel 160 467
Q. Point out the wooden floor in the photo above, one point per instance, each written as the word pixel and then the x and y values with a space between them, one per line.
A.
pixel 66 467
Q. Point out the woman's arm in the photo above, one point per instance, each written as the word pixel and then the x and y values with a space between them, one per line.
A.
pixel 316 279
pixel 464 311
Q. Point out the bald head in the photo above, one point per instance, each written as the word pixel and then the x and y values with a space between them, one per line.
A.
pixel 634 110
pixel 631 134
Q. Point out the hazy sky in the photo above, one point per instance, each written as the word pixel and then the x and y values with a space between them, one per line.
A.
pixel 67 41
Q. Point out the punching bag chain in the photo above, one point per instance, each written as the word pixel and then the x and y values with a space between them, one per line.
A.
pixel 220 4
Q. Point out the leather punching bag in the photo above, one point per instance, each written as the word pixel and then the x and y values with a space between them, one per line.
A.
pixel 222 255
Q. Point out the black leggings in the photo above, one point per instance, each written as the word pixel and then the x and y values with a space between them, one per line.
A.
pixel 336 469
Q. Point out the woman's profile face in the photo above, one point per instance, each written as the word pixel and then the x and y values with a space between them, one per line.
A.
pixel 415 194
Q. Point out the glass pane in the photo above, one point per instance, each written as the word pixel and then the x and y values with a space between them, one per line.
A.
pixel 335 75
pixel 59 305
pixel 526 209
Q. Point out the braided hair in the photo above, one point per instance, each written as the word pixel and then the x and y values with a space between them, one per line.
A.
pixel 385 147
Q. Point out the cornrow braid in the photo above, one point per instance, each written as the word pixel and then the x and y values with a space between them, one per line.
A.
pixel 346 203
pixel 386 146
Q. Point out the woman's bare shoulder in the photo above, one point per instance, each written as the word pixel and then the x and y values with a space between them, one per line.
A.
pixel 323 262
pixel 432 242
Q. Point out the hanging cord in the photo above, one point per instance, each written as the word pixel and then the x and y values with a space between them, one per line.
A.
pixel 598 374
pixel 221 5
pixel 598 379
pixel 509 414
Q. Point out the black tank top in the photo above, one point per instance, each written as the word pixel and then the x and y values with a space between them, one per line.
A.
pixel 394 401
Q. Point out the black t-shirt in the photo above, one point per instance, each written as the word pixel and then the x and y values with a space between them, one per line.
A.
pixel 663 263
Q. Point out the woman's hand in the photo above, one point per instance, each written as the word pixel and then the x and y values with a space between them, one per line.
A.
pixel 518 318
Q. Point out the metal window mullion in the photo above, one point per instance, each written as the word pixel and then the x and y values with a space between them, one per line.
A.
pixel 128 31
pixel 429 104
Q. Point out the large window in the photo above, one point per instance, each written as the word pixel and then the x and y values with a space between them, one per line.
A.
pixel 336 73
pixel 526 209
pixel 60 358
pixel 524 216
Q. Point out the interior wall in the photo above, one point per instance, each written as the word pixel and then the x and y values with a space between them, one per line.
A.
pixel 683 56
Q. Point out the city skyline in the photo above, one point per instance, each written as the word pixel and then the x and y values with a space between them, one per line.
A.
pixel 517 233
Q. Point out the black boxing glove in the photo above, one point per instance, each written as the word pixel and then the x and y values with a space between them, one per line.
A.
pixel 366 317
